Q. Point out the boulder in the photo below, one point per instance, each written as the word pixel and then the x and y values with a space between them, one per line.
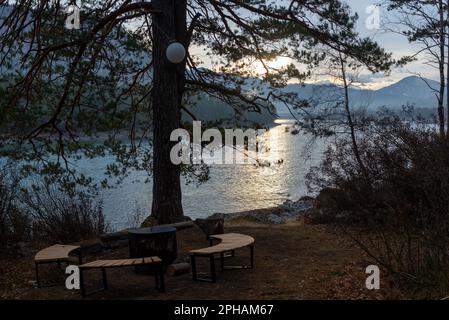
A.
pixel 211 225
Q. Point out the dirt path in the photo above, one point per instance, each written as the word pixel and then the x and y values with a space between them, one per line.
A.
pixel 295 261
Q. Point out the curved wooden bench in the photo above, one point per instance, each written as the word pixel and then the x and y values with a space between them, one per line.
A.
pixel 107 264
pixel 229 242
pixel 55 254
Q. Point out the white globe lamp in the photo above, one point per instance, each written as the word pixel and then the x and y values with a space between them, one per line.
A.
pixel 176 52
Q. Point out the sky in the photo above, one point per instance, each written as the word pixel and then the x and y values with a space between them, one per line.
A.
pixel 394 43
pixel 397 44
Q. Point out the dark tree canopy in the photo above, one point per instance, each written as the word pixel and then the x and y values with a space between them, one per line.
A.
pixel 64 91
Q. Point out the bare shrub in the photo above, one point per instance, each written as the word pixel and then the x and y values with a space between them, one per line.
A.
pixel 62 217
pixel 136 217
pixel 14 225
pixel 399 212
pixel 43 212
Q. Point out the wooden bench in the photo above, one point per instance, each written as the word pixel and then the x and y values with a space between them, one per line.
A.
pixel 155 262
pixel 55 254
pixel 229 243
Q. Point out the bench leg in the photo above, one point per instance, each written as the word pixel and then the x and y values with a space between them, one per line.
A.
pixel 212 268
pixel 193 264
pixel 251 266
pixel 46 284
pixel 105 280
pixel 83 289
pixel 251 248
pixel 213 275
pixel 161 279
pixel 36 265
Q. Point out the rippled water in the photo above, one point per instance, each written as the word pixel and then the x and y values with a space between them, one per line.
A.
pixel 231 188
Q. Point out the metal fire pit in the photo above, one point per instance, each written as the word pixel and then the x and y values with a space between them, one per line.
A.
pixel 153 241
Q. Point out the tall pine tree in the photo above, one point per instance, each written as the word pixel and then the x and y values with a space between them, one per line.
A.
pixel 60 86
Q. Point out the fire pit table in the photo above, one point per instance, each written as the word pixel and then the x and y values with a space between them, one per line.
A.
pixel 154 241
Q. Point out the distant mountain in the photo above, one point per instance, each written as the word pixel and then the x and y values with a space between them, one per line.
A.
pixel 409 91
pixel 413 90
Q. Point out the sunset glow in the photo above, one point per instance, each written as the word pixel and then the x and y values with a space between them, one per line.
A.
pixel 278 63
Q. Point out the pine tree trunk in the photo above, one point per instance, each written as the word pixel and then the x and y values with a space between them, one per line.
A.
pixel 446 30
pixel 442 36
pixel 355 147
pixel 168 85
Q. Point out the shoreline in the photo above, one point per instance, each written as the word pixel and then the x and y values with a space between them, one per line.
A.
pixel 286 212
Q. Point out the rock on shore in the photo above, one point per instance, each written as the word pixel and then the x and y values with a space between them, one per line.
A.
pixel 287 211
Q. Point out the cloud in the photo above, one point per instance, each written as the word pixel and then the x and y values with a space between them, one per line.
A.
pixel 368 77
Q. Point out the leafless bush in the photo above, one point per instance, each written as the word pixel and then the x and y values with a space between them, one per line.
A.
pixel 135 219
pixel 13 223
pixel 61 217
pixel 399 211
pixel 43 212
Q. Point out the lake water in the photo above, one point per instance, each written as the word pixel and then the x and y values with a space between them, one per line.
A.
pixel 231 188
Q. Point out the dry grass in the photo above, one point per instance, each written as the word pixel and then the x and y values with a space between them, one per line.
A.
pixel 294 261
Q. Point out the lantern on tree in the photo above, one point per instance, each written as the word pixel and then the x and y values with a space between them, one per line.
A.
pixel 176 52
